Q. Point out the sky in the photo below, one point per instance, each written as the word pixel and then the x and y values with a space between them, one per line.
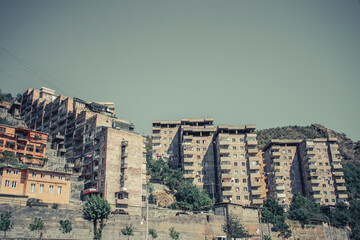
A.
pixel 269 63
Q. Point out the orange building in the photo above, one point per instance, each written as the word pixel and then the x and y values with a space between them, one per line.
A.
pixel 30 146
pixel 49 186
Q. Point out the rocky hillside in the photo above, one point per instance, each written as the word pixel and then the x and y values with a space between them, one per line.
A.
pixel 349 149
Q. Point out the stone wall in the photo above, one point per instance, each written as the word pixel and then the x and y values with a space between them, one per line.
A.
pixel 191 227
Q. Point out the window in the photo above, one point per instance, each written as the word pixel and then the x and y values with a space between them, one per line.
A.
pixel 197 141
pixel 199 180
pixel 60 177
pixel 16 172
pixel 59 190
pixel 290 157
pixel 165 145
pixel 32 187
pixel 30 148
pixel 237 180
pixel 235 156
pixel 283 151
pixel 170 138
pixel 243 172
pixel 237 197
pixel 243 164
pixel 165 139
pixel 285 157
pixel 237 189
pixel 198 157
pixel 41 190
pixel 324 150
pixel 13 184
pixel 245 189
pixel 235 163
pixel 236 172
pixel 170 132
pixel 285 164
pixel 289 151
pixel 244 180
pixel 234 147
pixel 2 129
pixel 242 147
pixel 242 156
pixel 43 175
pixel 318 149
pixel 164 132
pixel 51 189
pixel 8 171
pixel 33 174
pixel 234 140
pixel 246 197
pixel 7 183
pixel 51 176
pixel 204 141
pixel 204 149
pixel 324 185
pixel 198 149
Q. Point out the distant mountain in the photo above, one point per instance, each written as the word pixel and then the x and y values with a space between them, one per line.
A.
pixel 349 149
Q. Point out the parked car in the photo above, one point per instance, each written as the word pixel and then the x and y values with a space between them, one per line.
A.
pixel 119 211
pixel 181 213
pixel 36 202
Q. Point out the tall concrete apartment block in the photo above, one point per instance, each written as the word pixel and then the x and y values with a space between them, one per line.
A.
pixel 238 165
pixel 73 127
pixel 324 181
pixel 283 170
pixel 222 160
pixel 310 167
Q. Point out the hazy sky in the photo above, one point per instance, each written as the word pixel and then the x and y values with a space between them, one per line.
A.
pixel 269 63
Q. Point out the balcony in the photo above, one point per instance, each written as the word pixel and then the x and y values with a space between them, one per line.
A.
pixel 341 188
pixel 256 184
pixel 311 153
pixel 312 166
pixel 224 142
pixel 225 167
pixel 275 154
pixel 227 192
pixel 254 167
pixel 224 150
pixel 253 150
pixel 223 159
pixel 124 201
pixel 124 165
pixel 124 143
pixel 188 152
pixel 190 167
pixel 124 155
pixel 337 166
pixel 343 196
pixel 316 188
pixel 340 180
pixel 256 192
pixel 227 184
pixel 280 187
pixel 257 201
pixel 189 175
pixel 226 175
pixel 317 196
pixel 251 142
pixel 338 174
pixel 281 195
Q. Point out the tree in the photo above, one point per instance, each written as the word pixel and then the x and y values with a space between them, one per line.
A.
pixel 190 197
pixel 128 231
pixel 37 225
pixel 303 209
pixel 96 209
pixel 233 228
pixel 174 234
pixel 152 233
pixel 65 226
pixel 273 213
pixel 6 223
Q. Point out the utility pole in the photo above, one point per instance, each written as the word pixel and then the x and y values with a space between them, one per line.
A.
pixel 147 213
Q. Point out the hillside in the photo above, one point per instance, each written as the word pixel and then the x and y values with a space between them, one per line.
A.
pixel 349 149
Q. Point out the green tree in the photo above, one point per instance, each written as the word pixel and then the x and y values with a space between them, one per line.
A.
pixel 302 209
pixel 352 179
pixel 338 215
pixel 273 213
pixel 37 225
pixel 153 233
pixel 233 228
pixel 173 234
pixel 190 197
pixel 97 210
pixel 65 226
pixel 6 223
pixel 127 231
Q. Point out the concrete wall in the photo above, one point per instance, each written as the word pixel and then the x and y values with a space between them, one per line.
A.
pixel 191 227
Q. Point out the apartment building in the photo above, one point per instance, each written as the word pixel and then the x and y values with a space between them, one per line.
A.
pixel 197 157
pixel 49 186
pixel 117 169
pixel 323 178
pixel 28 145
pixel 238 165
pixel 166 141
pixel 311 167
pixel 283 170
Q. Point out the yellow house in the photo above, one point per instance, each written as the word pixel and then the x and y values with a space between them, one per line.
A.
pixel 49 186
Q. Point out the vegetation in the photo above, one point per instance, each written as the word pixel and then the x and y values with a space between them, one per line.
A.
pixel 289 132
pixel 6 97
pixel 55 206
pixel 233 228
pixel 8 158
pixel 303 210
pixel 188 196
pixel 97 210
pixel 37 225
pixel 6 223
pixel 352 179
pixel 65 226
pixel 4 121
pixel 174 234
pixel 273 213
pixel 127 231
pixel 153 233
